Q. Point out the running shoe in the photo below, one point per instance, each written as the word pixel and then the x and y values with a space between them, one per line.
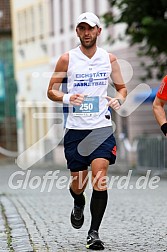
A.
pixel 77 216
pixel 94 242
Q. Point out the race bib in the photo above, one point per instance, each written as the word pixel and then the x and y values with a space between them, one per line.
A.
pixel 89 107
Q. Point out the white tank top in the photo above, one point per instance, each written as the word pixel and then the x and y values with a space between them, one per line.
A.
pixel 90 77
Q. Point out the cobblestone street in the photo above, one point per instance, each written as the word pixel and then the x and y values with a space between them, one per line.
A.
pixel 31 220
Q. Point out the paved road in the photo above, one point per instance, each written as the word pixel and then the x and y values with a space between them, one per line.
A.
pixel 31 220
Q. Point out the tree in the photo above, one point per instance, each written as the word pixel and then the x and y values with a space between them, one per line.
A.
pixel 146 26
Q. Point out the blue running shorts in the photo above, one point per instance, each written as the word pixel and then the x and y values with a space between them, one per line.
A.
pixel 81 147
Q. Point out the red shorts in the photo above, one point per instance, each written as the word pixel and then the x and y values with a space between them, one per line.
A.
pixel 162 92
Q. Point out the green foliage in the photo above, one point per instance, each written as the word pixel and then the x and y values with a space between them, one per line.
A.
pixel 146 26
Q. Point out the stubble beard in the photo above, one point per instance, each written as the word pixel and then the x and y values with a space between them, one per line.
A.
pixel 90 45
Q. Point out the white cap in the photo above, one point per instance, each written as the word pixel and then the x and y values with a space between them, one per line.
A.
pixel 89 18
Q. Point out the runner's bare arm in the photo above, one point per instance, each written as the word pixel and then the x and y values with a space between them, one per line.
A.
pixel 119 84
pixel 59 74
pixel 117 78
pixel 159 112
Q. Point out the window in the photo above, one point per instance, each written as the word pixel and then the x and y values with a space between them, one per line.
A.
pixel 25 25
pixel 62 46
pixel 41 20
pixel 21 24
pixel 71 14
pixel 96 7
pixel 61 17
pixel 52 26
pixel 19 27
pixel 32 23
pixel 83 5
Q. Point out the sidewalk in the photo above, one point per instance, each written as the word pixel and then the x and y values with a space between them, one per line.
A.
pixel 30 220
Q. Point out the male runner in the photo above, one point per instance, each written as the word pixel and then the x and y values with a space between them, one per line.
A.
pixel 158 106
pixel 89 139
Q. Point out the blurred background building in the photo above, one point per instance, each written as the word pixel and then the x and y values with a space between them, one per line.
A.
pixel 42 31
pixel 8 138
